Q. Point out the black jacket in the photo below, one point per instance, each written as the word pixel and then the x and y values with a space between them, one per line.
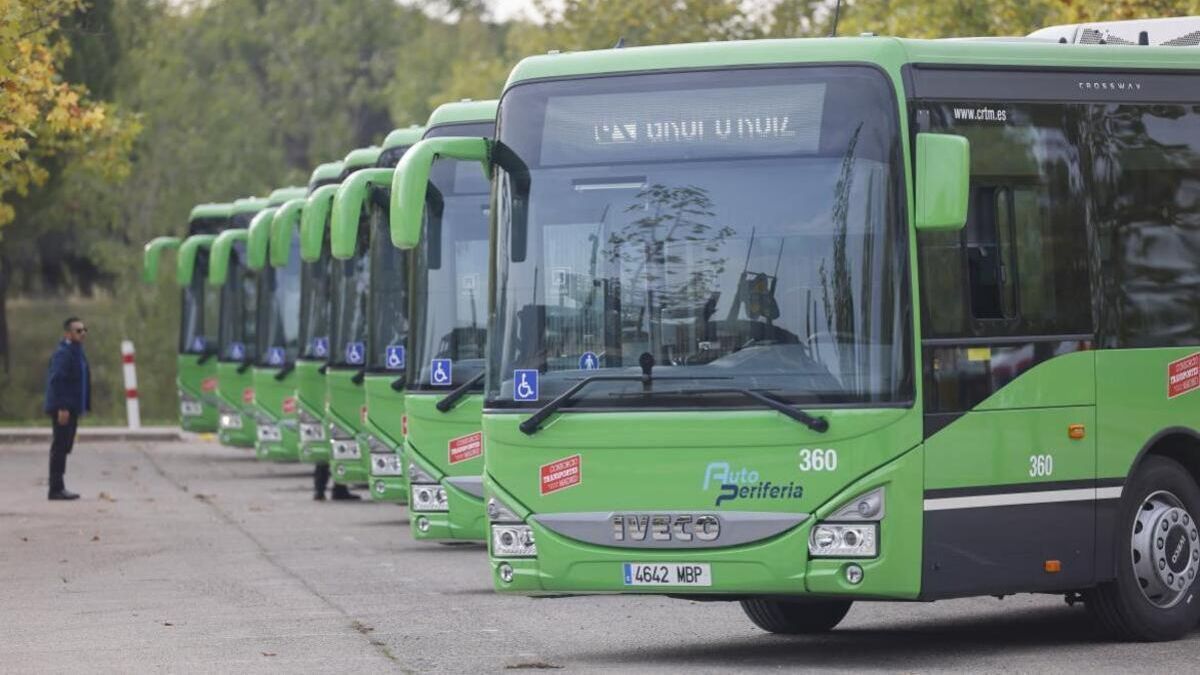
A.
pixel 69 382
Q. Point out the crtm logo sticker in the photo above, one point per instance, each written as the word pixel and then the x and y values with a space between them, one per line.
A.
pixel 289 405
pixel 561 475
pixel 465 447
pixel 208 384
pixel 743 483
pixel 1183 376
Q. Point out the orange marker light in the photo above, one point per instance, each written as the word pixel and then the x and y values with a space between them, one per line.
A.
pixel 1076 431
pixel 1052 566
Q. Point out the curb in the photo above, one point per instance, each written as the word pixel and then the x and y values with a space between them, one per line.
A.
pixel 93 434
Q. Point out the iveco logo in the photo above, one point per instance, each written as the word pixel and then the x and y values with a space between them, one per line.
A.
pixel 665 527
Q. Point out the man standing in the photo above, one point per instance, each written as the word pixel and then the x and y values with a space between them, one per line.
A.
pixel 68 389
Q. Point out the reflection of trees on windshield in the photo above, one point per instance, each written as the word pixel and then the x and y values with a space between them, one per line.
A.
pixel 837 286
pixel 671 254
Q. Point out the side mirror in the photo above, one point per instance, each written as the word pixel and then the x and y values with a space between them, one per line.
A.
pixel 222 248
pixel 152 253
pixel 283 228
pixel 258 238
pixel 312 222
pixel 411 180
pixel 943 179
pixel 347 207
pixel 185 263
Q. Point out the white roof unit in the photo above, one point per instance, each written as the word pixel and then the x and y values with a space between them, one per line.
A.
pixel 1183 31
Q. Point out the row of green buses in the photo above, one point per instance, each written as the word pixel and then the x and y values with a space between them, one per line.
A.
pixel 792 323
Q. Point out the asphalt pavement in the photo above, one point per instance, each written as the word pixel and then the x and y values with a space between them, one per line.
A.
pixel 191 557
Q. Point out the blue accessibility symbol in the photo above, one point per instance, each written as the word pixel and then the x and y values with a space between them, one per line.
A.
pixel 355 353
pixel 275 356
pixel 588 361
pixel 199 343
pixel 237 351
pixel 441 372
pixel 525 384
pixel 395 357
pixel 320 347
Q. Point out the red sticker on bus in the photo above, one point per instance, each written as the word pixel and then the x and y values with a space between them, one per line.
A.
pixel 208 384
pixel 362 414
pixel 404 425
pixel 465 447
pixel 289 405
pixel 1183 375
pixel 562 474
pixel 248 395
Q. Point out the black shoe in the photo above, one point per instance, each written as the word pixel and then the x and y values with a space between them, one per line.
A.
pixel 318 496
pixel 62 495
pixel 342 494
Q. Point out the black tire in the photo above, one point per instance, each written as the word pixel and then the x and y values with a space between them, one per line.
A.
pixel 795 617
pixel 1120 607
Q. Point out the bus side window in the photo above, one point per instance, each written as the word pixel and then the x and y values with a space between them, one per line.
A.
pixel 989 251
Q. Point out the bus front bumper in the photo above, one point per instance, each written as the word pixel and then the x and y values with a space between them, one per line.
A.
pixel 460 517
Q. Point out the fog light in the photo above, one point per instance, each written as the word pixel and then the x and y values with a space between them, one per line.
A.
pixel 513 541
pixel 380 488
pixel 841 540
pixel 427 498
pixel 854 574
pixel 341 470
pixel 423 524
pixel 506 572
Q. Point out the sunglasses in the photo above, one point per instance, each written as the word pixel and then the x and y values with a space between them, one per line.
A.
pixel 80 331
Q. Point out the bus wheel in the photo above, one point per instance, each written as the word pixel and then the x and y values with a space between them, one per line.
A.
pixel 795 617
pixel 1158 557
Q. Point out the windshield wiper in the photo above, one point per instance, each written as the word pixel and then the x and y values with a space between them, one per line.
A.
pixel 398 384
pixel 284 371
pixel 244 365
pixel 533 423
pixel 359 376
pixel 817 424
pixel 447 402
pixel 205 356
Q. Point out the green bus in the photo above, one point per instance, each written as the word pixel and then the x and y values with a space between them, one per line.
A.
pixel 196 371
pixel 314 310
pixel 360 218
pixel 800 322
pixel 345 400
pixel 236 323
pixel 276 331
pixel 448 334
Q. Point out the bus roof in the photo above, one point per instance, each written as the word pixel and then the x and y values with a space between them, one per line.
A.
pixel 248 205
pixel 886 51
pixel 210 210
pixel 459 112
pixel 360 158
pixel 406 136
pixel 281 195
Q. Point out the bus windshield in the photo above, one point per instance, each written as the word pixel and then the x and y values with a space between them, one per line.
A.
pixel 388 295
pixel 197 310
pixel 237 320
pixel 450 275
pixel 314 307
pixel 279 311
pixel 349 284
pixel 741 228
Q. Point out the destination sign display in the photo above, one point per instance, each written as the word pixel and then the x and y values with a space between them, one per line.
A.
pixel 686 124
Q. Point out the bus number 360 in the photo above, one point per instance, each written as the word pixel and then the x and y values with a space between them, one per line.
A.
pixel 818 460
pixel 1041 466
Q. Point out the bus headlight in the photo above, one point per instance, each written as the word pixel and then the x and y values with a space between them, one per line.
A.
pixel 428 497
pixel 230 418
pixel 189 406
pixel 513 541
pixel 843 540
pixel 386 465
pixel 268 432
pixel 311 429
pixel 345 449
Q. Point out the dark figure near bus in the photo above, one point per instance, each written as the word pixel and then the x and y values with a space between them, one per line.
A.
pixel 68 396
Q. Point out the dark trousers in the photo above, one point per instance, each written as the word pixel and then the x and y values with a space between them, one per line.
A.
pixel 60 447
pixel 321 477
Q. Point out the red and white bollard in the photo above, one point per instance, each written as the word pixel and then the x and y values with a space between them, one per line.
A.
pixel 133 412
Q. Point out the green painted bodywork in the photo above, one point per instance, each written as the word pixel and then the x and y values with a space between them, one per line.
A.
pixel 310 397
pixel 152 253
pixel 348 207
pixel 411 180
pixel 325 172
pixel 222 247
pixel 430 433
pixel 196 375
pixel 658 461
pixel 211 210
pixel 346 405
pixel 185 262
pixel 283 228
pixel 235 382
pixel 360 158
pixel 314 221
pixel 400 137
pixel 385 421
pixel 258 239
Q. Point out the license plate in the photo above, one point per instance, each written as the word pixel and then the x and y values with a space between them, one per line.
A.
pixel 667 574
pixel 191 408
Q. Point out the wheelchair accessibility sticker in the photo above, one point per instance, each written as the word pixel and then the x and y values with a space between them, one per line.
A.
pixel 441 372
pixel 199 343
pixel 525 384
pixel 395 357
pixel 237 351
pixel 320 347
pixel 355 353
pixel 275 356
